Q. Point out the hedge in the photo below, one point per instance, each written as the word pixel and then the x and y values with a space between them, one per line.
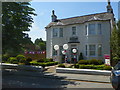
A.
pixel 89 62
pixel 97 67
pixel 43 63
pixel 61 65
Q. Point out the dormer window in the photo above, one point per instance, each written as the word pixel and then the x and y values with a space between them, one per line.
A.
pixel 73 31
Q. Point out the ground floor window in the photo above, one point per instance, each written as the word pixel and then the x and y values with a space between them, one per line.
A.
pixel 54 52
pixel 92 49
pixel 99 50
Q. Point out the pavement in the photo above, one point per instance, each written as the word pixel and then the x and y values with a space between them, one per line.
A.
pixel 79 77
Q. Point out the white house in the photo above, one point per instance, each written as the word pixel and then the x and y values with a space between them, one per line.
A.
pixel 88 34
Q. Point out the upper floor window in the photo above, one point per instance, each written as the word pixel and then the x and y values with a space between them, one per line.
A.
pixel 85 29
pixel 55 32
pixel 73 30
pixel 61 32
pixel 99 29
pixel 91 29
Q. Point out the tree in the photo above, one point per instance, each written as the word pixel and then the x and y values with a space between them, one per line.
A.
pixel 41 44
pixel 16 20
pixel 115 44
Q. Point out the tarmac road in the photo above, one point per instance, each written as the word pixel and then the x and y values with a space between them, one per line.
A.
pixel 16 79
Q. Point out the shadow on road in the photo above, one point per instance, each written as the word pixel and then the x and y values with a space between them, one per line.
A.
pixel 31 79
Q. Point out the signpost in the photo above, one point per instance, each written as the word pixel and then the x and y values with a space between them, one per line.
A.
pixel 107 59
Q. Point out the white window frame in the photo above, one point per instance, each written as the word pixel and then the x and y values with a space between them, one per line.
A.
pixel 92 50
pixel 75 30
pixel 55 32
pixel 60 31
pixel 90 32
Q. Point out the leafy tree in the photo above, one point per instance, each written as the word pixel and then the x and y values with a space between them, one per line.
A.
pixel 16 20
pixel 115 44
pixel 41 44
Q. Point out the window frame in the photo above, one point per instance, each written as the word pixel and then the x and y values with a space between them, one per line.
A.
pixel 90 30
pixel 74 29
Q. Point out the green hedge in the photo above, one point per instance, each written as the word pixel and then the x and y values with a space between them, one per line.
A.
pixel 43 63
pixel 61 65
pixel 97 67
pixel 89 62
pixel 13 60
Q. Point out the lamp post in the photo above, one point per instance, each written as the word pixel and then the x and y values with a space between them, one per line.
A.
pixel 56 47
pixel 65 47
pixel 74 52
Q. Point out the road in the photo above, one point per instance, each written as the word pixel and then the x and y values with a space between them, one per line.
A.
pixel 15 79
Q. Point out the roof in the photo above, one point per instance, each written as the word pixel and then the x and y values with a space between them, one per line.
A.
pixel 81 19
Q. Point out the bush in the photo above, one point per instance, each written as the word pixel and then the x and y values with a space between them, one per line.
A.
pixel 99 67
pixel 5 58
pixel 34 62
pixel 56 62
pixel 61 65
pixel 87 67
pixel 20 57
pixel 83 62
pixel 95 62
pixel 107 67
pixel 81 56
pixel 76 66
pixel 13 60
pixel 27 61
pixel 40 60
pixel 51 59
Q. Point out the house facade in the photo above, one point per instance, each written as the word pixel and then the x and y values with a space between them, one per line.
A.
pixel 88 35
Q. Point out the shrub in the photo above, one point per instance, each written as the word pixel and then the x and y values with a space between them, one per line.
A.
pixel 13 60
pixel 61 65
pixel 107 67
pixel 87 67
pixel 5 58
pixel 34 62
pixel 99 67
pixel 76 66
pixel 81 56
pixel 40 60
pixel 27 61
pixel 20 57
pixel 95 62
pixel 51 59
pixel 83 62
pixel 56 62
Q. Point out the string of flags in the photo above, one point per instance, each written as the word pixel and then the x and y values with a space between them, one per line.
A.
pixel 35 52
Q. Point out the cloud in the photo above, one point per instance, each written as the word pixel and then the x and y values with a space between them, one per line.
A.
pixel 37 32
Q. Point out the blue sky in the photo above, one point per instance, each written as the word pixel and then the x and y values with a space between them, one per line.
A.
pixel 63 10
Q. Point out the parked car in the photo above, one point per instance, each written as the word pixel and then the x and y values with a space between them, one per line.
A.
pixel 115 76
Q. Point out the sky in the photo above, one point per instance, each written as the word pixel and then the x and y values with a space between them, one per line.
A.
pixel 63 10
